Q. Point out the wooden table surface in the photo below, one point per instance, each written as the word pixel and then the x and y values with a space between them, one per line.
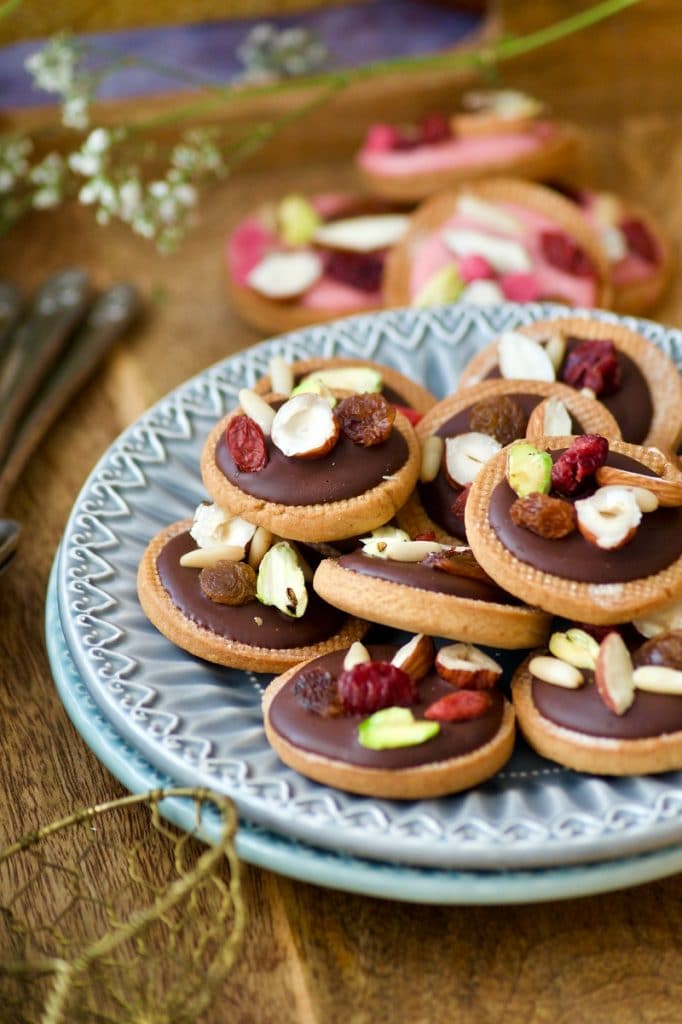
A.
pixel 311 954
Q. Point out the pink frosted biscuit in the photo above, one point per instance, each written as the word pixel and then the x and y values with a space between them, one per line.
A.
pixel 348 282
pixel 526 241
pixel 413 163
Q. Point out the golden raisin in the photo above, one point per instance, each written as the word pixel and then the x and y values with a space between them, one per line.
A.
pixel 366 420
pixel 232 583
pixel 547 517
pixel 499 417
pixel 456 563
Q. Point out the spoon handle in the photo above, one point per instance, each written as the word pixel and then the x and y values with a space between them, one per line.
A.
pixel 106 321
pixel 10 311
pixel 58 307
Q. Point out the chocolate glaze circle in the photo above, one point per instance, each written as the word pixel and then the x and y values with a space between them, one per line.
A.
pixel 437 497
pixel 631 406
pixel 656 544
pixel 582 710
pixel 422 577
pixel 347 471
pixel 277 631
pixel 337 738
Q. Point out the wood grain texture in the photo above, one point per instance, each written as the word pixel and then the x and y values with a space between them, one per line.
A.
pixel 313 956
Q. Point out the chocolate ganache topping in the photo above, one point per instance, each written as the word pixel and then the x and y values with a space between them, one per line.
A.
pixel 424 577
pixel 437 497
pixel 656 544
pixel 582 710
pixel 240 623
pixel 631 405
pixel 347 471
pixel 336 738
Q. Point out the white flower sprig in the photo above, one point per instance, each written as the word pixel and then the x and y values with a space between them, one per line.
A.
pixel 57 68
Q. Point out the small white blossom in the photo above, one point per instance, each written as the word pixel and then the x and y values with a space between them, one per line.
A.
pixel 86 164
pixel 130 199
pixel 98 141
pixel 13 161
pixel 49 171
pixel 46 198
pixel 54 66
pixel 75 111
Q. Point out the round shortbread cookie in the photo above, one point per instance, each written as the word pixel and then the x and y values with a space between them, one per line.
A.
pixel 206 643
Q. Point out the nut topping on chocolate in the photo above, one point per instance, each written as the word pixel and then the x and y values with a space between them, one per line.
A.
pixel 609 518
pixel 466 454
pixel 467 667
pixel 305 427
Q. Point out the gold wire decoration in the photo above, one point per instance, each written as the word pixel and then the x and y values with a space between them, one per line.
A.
pixel 140 925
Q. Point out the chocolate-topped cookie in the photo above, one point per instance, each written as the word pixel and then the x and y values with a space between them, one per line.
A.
pixel 245 633
pixel 315 472
pixel 502 411
pixel 372 727
pixel 636 381
pixel 582 527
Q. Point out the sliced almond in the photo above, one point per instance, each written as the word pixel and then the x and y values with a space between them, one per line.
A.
pixel 261 542
pixel 575 647
pixel 432 457
pixel 467 667
pixel 488 215
pixel 550 418
pixel 614 675
pixel 505 255
pixel 522 358
pixel 606 209
pixel 206 558
pixel 609 518
pixel 416 656
pixel 556 672
pixel 362 234
pixel 281 376
pixel 660 620
pixel 305 427
pixel 668 492
pixel 658 679
pixel 356 654
pixel 466 454
pixel 555 347
pixel 401 550
pixel 614 243
pixel 286 275
pixel 257 408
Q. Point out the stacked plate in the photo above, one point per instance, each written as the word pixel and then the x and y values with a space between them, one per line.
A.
pixel 157 716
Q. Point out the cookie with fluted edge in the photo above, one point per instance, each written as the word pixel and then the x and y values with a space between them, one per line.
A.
pixel 571 576
pixel 427 777
pixel 407 392
pixel 329 516
pixel 663 428
pixel 590 752
pixel 436 212
pixel 223 641
pixel 592 416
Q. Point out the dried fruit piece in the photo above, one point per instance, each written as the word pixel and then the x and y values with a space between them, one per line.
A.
pixel 578 463
pixel 361 270
pixel 467 667
pixel 412 415
pixel 613 674
pixel 500 417
pixel 372 685
pixel 366 420
pixel 594 365
pixel 459 504
pixel 475 268
pixel 456 562
pixel 520 287
pixel 415 657
pixel 460 706
pixel 639 240
pixel 551 518
pixel 316 691
pixel 565 254
pixel 232 583
pixel 664 649
pixel 427 535
pixel 395 727
pixel 609 518
pixel 555 672
pixel 529 470
pixel 434 128
pixel 246 444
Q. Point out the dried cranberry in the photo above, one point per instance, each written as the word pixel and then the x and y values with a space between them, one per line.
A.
pixel 361 270
pixel 520 287
pixel 639 239
pixel 246 443
pixel 410 414
pixel 428 535
pixel 563 253
pixel 372 685
pixel 475 268
pixel 460 706
pixel 381 138
pixel 434 128
pixel 459 504
pixel 579 462
pixel 593 364
pixel 316 690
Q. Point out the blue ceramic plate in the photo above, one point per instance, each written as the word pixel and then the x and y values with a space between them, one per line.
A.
pixel 201 724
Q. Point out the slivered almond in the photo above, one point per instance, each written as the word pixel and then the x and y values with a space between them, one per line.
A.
pixel 281 376
pixel 432 457
pixel 614 675
pixel 556 672
pixel 549 419
pixel 668 492
pixel 261 542
pixel 658 679
pixel 356 654
pixel 416 656
pixel 257 408
pixel 205 558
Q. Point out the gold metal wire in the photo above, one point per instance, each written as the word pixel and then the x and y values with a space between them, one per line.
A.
pixel 140 925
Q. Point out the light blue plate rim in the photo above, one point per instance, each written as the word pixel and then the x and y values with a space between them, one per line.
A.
pixel 332 870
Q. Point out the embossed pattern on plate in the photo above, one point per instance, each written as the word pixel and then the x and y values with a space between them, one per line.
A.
pixel 202 724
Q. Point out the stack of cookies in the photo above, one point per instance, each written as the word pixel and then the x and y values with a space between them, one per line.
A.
pixel 341 494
